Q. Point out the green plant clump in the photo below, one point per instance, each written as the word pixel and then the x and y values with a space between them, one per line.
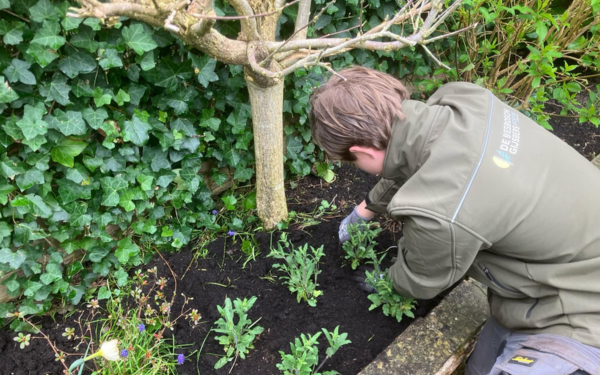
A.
pixel 361 245
pixel 304 355
pixel 237 338
pixel 393 304
pixel 301 268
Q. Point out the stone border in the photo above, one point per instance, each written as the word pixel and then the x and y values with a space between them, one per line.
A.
pixel 430 344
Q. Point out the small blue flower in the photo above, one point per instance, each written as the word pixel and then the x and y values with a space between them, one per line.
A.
pixel 231 233
pixel 142 327
pixel 124 353
pixel 214 212
pixel 180 359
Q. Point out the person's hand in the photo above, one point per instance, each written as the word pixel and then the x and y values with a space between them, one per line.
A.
pixel 360 277
pixel 353 218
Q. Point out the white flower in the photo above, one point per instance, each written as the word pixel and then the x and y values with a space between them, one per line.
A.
pixel 110 350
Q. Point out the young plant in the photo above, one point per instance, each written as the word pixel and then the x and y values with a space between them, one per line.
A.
pixel 305 353
pixel 393 304
pixel 361 245
pixel 237 338
pixel 301 267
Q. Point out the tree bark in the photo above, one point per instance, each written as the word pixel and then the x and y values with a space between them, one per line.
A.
pixel 267 120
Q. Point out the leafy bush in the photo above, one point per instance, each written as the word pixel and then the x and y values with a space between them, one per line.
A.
pixel 530 52
pixel 238 337
pixel 301 268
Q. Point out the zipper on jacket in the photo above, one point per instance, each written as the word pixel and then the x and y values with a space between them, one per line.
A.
pixel 493 279
pixel 537 300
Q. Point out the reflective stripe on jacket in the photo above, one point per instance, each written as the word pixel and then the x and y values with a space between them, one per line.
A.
pixel 483 190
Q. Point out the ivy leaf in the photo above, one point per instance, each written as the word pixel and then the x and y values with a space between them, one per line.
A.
pixel 126 250
pixel 7 94
pixel 121 277
pixel 57 90
pixel 3 5
pixel 101 97
pixel 79 62
pixel 138 38
pixel 10 167
pixel 145 182
pixel 43 10
pixel 19 71
pixel 206 66
pixel 94 118
pixel 170 73
pixel 85 38
pixel 110 188
pixel 32 124
pixel 243 174
pixel 42 55
pixel 69 123
pixel 48 36
pixel 14 36
pixel 13 259
pixel 4 191
pixel 70 23
pixel 238 119
pixel 5 230
pixel 94 23
pixel 65 152
pixel 110 59
pixel 136 131
pixel 39 207
pixel 35 143
pixel 122 97
pixel 30 178
pixel 136 92
pixel 53 273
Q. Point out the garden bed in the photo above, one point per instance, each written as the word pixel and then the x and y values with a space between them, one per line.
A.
pixel 222 275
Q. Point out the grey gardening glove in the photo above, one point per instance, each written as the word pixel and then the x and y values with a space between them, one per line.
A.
pixel 353 218
pixel 360 277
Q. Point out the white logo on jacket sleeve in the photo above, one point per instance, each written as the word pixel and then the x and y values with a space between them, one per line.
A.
pixel 509 144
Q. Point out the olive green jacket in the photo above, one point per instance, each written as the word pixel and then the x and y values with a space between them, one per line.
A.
pixel 482 190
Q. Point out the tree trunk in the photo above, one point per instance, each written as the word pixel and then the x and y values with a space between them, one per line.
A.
pixel 267 110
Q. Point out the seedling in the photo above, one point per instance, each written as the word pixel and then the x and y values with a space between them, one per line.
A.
pixel 305 353
pixel 361 245
pixel 393 304
pixel 301 267
pixel 237 339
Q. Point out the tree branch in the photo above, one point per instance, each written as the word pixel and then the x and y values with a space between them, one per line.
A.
pixel 249 28
pixel 234 18
pixel 302 19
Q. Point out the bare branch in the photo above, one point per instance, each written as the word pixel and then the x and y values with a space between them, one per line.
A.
pixel 254 65
pixel 249 27
pixel 95 9
pixel 302 19
pixel 234 18
pixel 449 34
pixel 299 30
pixel 169 22
pixel 202 26
pixel 435 58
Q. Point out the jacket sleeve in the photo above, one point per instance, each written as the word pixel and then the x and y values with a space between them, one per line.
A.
pixel 381 195
pixel 432 256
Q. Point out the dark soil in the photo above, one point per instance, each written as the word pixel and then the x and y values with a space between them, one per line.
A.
pixel 282 317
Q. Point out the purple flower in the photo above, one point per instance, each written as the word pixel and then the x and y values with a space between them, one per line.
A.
pixel 180 359
pixel 214 212
pixel 231 233
pixel 124 353
pixel 142 327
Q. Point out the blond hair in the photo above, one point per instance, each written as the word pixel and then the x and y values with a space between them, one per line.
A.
pixel 357 107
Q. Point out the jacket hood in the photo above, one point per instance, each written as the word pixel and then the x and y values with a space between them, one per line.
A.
pixel 411 139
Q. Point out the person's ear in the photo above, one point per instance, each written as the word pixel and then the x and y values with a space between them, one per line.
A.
pixel 361 149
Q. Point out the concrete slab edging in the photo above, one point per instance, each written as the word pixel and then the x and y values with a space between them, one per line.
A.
pixel 430 344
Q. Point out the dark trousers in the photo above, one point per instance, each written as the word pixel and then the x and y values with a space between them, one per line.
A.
pixel 498 343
